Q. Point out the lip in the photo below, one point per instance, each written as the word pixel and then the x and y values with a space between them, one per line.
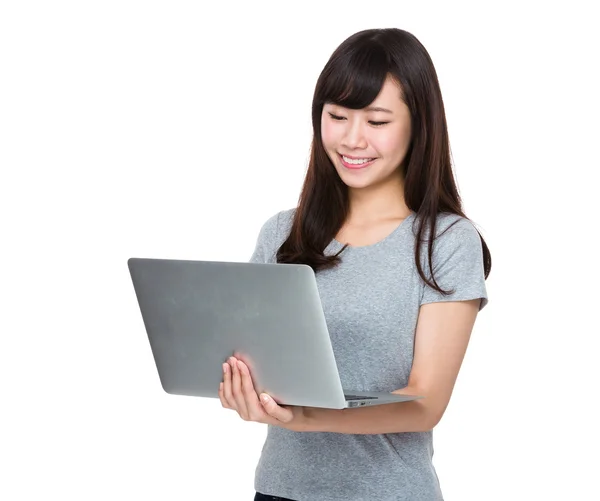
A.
pixel 352 166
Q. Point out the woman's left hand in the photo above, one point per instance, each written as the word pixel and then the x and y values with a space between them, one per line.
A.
pixel 237 392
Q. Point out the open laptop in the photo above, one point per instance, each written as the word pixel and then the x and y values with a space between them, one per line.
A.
pixel 199 313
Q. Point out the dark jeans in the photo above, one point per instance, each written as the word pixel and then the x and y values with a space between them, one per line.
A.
pixel 263 497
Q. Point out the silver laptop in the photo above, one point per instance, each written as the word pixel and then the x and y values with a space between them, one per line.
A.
pixel 198 313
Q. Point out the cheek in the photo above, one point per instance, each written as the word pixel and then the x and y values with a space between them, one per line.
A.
pixel 328 134
pixel 392 142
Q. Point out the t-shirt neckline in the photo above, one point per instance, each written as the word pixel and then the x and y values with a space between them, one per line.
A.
pixel 391 235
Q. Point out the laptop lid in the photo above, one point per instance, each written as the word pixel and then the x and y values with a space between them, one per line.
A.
pixel 198 313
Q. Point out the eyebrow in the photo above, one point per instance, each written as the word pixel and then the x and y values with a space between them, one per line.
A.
pixel 368 108
pixel 377 108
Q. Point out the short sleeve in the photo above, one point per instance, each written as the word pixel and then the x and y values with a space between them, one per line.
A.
pixel 457 265
pixel 265 249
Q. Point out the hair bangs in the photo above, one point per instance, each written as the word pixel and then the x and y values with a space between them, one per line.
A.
pixel 354 79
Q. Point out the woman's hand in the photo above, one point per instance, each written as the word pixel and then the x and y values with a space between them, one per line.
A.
pixel 237 392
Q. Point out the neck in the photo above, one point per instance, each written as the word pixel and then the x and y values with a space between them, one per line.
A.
pixel 373 203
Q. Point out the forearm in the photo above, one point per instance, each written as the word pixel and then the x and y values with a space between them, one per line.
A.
pixel 412 416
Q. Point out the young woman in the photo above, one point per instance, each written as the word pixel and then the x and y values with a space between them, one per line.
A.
pixel 401 273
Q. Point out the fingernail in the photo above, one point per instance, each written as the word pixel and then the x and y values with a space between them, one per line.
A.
pixel 225 368
pixel 264 398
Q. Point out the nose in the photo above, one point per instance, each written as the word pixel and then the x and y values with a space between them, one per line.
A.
pixel 354 137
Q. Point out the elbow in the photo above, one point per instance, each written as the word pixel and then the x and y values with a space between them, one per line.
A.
pixel 432 421
pixel 427 412
pixel 428 423
pixel 431 416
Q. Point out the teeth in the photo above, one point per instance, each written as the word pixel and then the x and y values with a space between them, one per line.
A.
pixel 356 161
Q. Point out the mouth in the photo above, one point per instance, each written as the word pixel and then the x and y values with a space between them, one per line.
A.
pixel 356 163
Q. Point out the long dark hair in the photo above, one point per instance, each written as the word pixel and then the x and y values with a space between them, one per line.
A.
pixel 352 78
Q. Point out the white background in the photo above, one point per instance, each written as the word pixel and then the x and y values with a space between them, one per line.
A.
pixel 175 129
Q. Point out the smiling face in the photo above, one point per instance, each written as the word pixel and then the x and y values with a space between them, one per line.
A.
pixel 368 145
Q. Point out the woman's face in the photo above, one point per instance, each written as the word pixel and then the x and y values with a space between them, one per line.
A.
pixel 367 146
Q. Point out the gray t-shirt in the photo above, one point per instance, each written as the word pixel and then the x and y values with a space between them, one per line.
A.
pixel 371 303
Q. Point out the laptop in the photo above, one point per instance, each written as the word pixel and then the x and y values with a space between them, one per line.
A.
pixel 199 313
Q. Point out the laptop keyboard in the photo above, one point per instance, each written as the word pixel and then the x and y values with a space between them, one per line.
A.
pixel 358 397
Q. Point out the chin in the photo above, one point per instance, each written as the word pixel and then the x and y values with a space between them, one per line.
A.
pixel 367 179
pixel 356 182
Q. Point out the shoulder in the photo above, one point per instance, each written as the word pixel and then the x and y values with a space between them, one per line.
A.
pixel 457 231
pixel 273 232
pixel 456 239
pixel 453 225
pixel 450 228
pixel 286 218
pixel 457 261
pixel 278 224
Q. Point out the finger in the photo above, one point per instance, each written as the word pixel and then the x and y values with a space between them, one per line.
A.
pixel 236 389
pixel 272 409
pixel 255 410
pixel 227 393
pixel 222 397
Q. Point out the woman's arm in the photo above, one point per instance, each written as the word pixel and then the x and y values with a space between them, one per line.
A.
pixel 441 339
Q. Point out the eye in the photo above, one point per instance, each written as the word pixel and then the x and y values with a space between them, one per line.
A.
pixel 336 117
pixel 377 124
